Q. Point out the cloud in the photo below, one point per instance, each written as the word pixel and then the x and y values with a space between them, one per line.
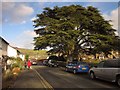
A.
pixel 23 10
pixel 23 22
pixel 29 33
pixel 15 12
pixel 114 17
pixel 25 40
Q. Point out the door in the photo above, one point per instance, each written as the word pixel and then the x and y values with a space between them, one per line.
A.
pixel 99 70
pixel 110 70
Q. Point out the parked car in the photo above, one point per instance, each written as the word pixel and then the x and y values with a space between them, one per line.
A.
pixel 45 62
pixel 34 62
pixel 53 57
pixel 77 67
pixel 107 70
pixel 52 63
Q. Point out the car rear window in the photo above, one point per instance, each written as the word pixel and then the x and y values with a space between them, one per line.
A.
pixel 84 63
pixel 77 63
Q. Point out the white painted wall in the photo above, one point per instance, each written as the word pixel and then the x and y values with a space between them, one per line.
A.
pixel 22 56
pixel 11 52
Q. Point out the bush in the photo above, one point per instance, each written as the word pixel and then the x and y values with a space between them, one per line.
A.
pixel 17 62
pixel 8 75
pixel 16 70
pixel 15 65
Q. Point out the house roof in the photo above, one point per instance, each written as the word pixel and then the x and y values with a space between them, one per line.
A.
pixel 4 40
pixel 17 49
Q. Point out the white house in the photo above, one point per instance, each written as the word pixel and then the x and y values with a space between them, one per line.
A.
pixel 22 56
pixel 12 52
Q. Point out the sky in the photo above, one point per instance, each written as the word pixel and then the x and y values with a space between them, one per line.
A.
pixel 16 25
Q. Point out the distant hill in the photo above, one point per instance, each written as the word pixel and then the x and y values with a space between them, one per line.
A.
pixel 34 54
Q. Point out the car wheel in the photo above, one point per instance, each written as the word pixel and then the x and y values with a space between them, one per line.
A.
pixel 118 81
pixel 74 71
pixel 92 75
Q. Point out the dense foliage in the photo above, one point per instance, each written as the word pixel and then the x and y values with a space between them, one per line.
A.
pixel 72 30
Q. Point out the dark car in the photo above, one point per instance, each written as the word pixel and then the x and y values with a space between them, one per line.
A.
pixel 77 67
pixel 53 58
pixel 107 70
pixel 52 61
pixel 45 62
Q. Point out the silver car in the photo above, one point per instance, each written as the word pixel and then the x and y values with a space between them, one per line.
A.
pixel 107 70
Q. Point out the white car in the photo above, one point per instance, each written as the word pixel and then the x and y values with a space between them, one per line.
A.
pixel 107 70
pixel 34 62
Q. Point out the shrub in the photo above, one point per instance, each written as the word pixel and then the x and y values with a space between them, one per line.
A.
pixel 17 62
pixel 15 65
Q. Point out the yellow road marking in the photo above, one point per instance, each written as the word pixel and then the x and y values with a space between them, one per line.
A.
pixel 43 81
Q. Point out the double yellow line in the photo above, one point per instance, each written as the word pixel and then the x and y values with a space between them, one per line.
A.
pixel 44 82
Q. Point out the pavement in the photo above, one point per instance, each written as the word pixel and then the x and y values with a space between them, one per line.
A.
pixel 30 79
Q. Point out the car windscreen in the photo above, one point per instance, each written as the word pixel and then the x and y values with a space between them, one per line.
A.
pixel 53 58
pixel 53 61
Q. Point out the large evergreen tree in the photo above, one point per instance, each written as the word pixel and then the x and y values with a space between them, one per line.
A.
pixel 72 30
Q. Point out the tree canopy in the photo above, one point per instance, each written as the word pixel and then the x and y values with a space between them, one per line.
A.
pixel 72 30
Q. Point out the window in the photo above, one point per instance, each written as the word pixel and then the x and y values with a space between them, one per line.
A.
pixel 100 65
pixel 82 63
pixel 112 64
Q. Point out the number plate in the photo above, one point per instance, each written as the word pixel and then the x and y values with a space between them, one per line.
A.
pixel 69 66
pixel 83 68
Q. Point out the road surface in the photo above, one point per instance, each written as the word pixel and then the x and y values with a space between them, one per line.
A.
pixel 46 77
pixel 58 78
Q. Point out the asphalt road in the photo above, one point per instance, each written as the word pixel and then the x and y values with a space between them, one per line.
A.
pixel 58 78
